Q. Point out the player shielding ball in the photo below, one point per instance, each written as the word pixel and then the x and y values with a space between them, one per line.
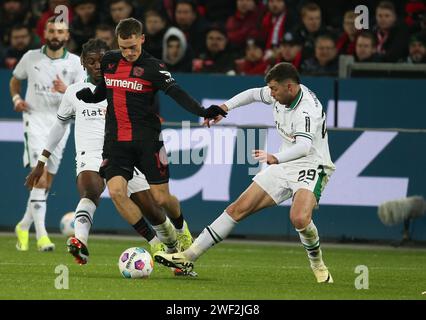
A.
pixel 49 70
pixel 131 78
pixel 300 170
pixel 89 139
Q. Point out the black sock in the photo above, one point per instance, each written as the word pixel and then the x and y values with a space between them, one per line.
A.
pixel 144 229
pixel 178 222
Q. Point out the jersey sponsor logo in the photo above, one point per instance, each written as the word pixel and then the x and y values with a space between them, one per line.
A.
pixel 100 112
pixel 125 84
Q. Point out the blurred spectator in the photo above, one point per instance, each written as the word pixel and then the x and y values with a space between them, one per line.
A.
pixel 49 12
pixel 415 14
pixel 253 62
pixel 216 59
pixel 325 62
pixel 365 48
pixel 192 25
pixel 346 42
pixel 155 27
pixel 142 6
pixel 13 12
pixel 310 28
pixel 119 10
pixel 106 33
pixel 83 24
pixel 20 42
pixel 176 54
pixel 244 24
pixel 275 23
pixel 417 49
pixel 392 37
pixel 291 49
pixel 217 11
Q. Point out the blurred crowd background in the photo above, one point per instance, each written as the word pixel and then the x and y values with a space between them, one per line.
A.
pixel 231 36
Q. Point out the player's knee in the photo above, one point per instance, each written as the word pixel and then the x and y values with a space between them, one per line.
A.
pixel 117 194
pixel 238 210
pixel 161 198
pixel 299 221
pixel 42 183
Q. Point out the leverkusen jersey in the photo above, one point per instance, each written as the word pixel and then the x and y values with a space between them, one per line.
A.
pixel 130 90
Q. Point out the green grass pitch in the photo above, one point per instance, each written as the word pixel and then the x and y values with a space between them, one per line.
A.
pixel 229 271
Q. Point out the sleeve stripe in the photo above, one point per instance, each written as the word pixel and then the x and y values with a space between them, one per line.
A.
pixel 64 118
pixel 303 135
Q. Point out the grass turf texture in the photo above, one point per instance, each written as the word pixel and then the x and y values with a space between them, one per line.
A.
pixel 228 271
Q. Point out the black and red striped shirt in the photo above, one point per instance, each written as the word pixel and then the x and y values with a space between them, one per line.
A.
pixel 130 89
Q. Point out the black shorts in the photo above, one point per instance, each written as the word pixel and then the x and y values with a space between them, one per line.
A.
pixel 148 155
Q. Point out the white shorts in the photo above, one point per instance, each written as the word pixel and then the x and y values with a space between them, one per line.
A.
pixel 34 142
pixel 92 160
pixel 281 182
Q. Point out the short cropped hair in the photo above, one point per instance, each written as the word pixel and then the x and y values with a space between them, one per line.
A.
pixel 126 28
pixel 94 45
pixel 281 72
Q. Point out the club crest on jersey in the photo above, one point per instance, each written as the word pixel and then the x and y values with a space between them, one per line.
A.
pixel 111 65
pixel 138 71
pixel 64 73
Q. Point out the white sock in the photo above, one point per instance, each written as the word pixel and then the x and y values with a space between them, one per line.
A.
pixel 166 232
pixel 27 220
pixel 310 241
pixel 38 210
pixel 212 234
pixel 84 219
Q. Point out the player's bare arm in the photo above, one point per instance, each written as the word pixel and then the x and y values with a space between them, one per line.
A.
pixel 19 104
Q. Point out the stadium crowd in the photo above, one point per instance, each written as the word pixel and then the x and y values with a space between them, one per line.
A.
pixel 231 36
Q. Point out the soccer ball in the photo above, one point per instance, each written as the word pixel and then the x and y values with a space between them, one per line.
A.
pixel 67 224
pixel 135 263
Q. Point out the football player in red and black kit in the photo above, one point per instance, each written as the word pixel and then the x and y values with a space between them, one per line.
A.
pixel 132 77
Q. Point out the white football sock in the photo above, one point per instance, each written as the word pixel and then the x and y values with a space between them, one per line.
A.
pixel 38 210
pixel 27 220
pixel 310 241
pixel 154 241
pixel 84 219
pixel 166 232
pixel 212 234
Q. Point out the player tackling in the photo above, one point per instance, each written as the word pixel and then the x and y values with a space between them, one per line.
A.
pixel 300 170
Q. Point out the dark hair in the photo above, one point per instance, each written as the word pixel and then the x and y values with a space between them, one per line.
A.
pixel 386 5
pixel 104 27
pixel 76 3
pixel 110 2
pixel 189 2
pixel 310 6
pixel 281 72
pixel 94 45
pixel 126 28
pixel 325 36
pixel 19 26
pixel 173 38
pixel 368 35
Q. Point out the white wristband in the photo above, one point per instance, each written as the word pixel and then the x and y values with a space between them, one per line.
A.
pixel 16 97
pixel 43 158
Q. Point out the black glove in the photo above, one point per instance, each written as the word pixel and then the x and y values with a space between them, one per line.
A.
pixel 213 111
pixel 85 94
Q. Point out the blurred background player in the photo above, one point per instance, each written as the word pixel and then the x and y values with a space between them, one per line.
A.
pixel 49 70
pixel 300 170
pixel 89 139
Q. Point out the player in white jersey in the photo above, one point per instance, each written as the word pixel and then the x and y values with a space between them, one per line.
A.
pixel 49 71
pixel 89 139
pixel 299 170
